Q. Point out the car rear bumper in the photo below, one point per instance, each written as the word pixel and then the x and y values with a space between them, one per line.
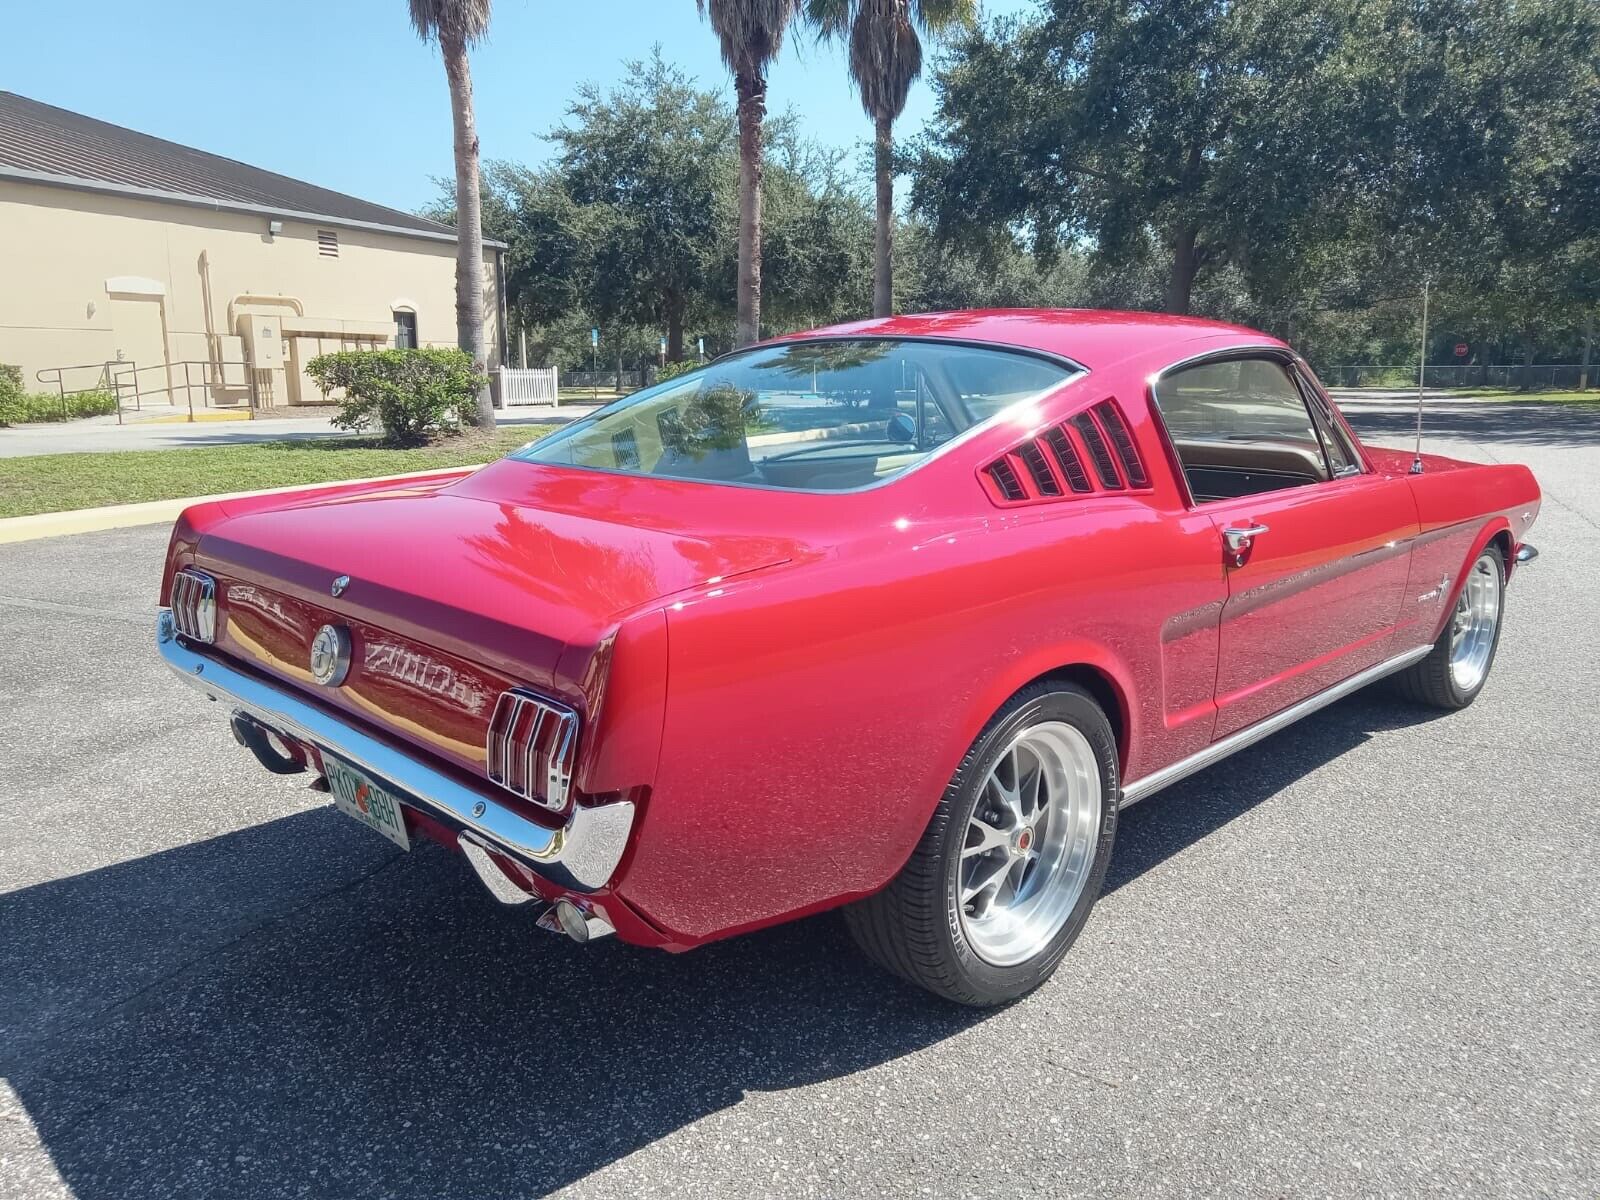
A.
pixel 580 855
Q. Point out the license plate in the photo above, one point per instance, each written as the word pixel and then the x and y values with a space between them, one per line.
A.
pixel 357 796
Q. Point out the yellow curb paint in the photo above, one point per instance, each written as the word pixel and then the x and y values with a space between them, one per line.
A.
pixel 185 419
pixel 156 512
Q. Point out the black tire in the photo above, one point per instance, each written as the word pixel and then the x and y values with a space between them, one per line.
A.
pixel 914 928
pixel 1430 680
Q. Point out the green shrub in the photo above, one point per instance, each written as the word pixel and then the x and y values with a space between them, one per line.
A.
pixel 10 394
pixel 17 406
pixel 88 404
pixel 673 370
pixel 412 393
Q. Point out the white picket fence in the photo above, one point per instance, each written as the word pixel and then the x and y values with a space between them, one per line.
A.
pixel 531 385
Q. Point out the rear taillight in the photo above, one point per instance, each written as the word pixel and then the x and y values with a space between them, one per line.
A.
pixel 532 744
pixel 194 605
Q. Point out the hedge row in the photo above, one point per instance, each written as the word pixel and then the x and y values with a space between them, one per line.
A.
pixel 17 406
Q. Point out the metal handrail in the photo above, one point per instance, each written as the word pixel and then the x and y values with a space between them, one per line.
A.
pixel 116 374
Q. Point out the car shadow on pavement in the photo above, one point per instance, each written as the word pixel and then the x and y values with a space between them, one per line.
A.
pixel 372 1025
pixel 391 1031
pixel 1177 817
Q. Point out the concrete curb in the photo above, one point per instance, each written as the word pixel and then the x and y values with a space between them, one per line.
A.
pixel 157 512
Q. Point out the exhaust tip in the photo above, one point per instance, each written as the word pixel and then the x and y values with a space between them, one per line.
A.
pixel 577 922
pixel 572 922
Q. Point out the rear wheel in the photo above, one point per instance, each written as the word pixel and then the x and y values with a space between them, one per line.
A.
pixel 1012 861
pixel 1455 670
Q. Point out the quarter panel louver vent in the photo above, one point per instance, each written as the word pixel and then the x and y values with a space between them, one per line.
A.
pixel 328 243
pixel 1006 480
pixel 1111 420
pixel 1099 453
pixel 1056 463
pixel 1067 457
pixel 532 744
pixel 1044 480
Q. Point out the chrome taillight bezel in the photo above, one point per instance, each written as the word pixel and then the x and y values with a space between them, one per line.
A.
pixel 531 746
pixel 194 605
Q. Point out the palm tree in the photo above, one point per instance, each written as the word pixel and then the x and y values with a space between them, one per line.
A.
pixel 751 33
pixel 457 25
pixel 885 38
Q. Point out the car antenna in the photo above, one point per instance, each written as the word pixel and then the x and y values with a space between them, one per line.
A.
pixel 1422 366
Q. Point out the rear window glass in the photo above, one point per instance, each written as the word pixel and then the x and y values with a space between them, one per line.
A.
pixel 807 415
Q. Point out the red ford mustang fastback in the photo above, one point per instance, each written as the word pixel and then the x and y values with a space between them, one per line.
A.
pixel 893 615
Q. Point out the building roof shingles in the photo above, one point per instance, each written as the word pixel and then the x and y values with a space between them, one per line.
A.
pixel 47 140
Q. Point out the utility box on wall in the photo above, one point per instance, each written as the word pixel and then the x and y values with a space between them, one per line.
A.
pixel 263 340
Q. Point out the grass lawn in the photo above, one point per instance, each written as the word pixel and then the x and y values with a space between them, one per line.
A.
pixel 1592 396
pixel 57 482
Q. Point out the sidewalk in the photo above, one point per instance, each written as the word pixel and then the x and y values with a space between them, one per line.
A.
pixel 98 434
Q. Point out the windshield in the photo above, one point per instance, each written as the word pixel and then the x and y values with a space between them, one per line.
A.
pixel 807 415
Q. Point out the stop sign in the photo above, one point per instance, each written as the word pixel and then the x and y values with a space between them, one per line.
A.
pixel 1461 349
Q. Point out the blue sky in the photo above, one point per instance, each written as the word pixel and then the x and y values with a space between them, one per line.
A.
pixel 344 95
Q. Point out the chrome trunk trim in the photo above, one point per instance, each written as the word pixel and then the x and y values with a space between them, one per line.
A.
pixel 582 854
pixel 1150 784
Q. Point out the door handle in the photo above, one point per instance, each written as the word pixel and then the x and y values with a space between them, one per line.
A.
pixel 1241 537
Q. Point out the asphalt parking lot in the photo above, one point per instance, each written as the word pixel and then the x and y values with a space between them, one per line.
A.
pixel 1361 958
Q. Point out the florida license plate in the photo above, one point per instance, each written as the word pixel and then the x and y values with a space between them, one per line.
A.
pixel 357 796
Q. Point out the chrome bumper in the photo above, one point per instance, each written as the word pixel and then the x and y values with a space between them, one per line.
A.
pixel 1526 553
pixel 580 855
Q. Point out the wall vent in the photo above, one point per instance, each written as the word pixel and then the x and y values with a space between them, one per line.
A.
pixel 328 243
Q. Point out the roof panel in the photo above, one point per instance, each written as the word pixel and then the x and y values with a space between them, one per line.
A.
pixel 54 141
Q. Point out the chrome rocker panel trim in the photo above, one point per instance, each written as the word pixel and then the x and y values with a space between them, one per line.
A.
pixel 581 855
pixel 1150 784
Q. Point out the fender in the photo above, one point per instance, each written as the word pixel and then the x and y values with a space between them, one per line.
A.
pixel 1492 529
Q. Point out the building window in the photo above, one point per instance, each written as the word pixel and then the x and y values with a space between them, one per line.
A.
pixel 405 330
pixel 327 243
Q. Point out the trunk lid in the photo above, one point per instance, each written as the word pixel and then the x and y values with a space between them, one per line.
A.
pixel 457 592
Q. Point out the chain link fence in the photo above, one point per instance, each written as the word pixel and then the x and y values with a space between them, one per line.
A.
pixel 1538 376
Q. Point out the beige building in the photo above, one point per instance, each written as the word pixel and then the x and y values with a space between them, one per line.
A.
pixel 173 275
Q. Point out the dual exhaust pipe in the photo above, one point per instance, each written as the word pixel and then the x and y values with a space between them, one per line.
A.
pixel 579 921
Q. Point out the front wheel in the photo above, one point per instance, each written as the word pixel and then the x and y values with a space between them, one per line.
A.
pixel 1004 877
pixel 1455 670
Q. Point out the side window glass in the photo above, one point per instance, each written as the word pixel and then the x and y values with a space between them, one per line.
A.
pixel 1341 455
pixel 1240 427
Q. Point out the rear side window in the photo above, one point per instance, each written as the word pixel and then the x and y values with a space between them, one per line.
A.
pixel 1240 427
pixel 810 415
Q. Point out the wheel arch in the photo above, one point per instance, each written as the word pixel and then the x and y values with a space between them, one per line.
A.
pixel 1496 532
pixel 1107 694
pixel 1093 668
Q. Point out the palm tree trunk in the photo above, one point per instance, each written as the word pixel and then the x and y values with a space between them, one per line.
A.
pixel 883 242
pixel 752 92
pixel 469 221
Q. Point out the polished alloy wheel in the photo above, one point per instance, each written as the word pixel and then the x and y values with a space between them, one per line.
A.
pixel 1030 843
pixel 1472 628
